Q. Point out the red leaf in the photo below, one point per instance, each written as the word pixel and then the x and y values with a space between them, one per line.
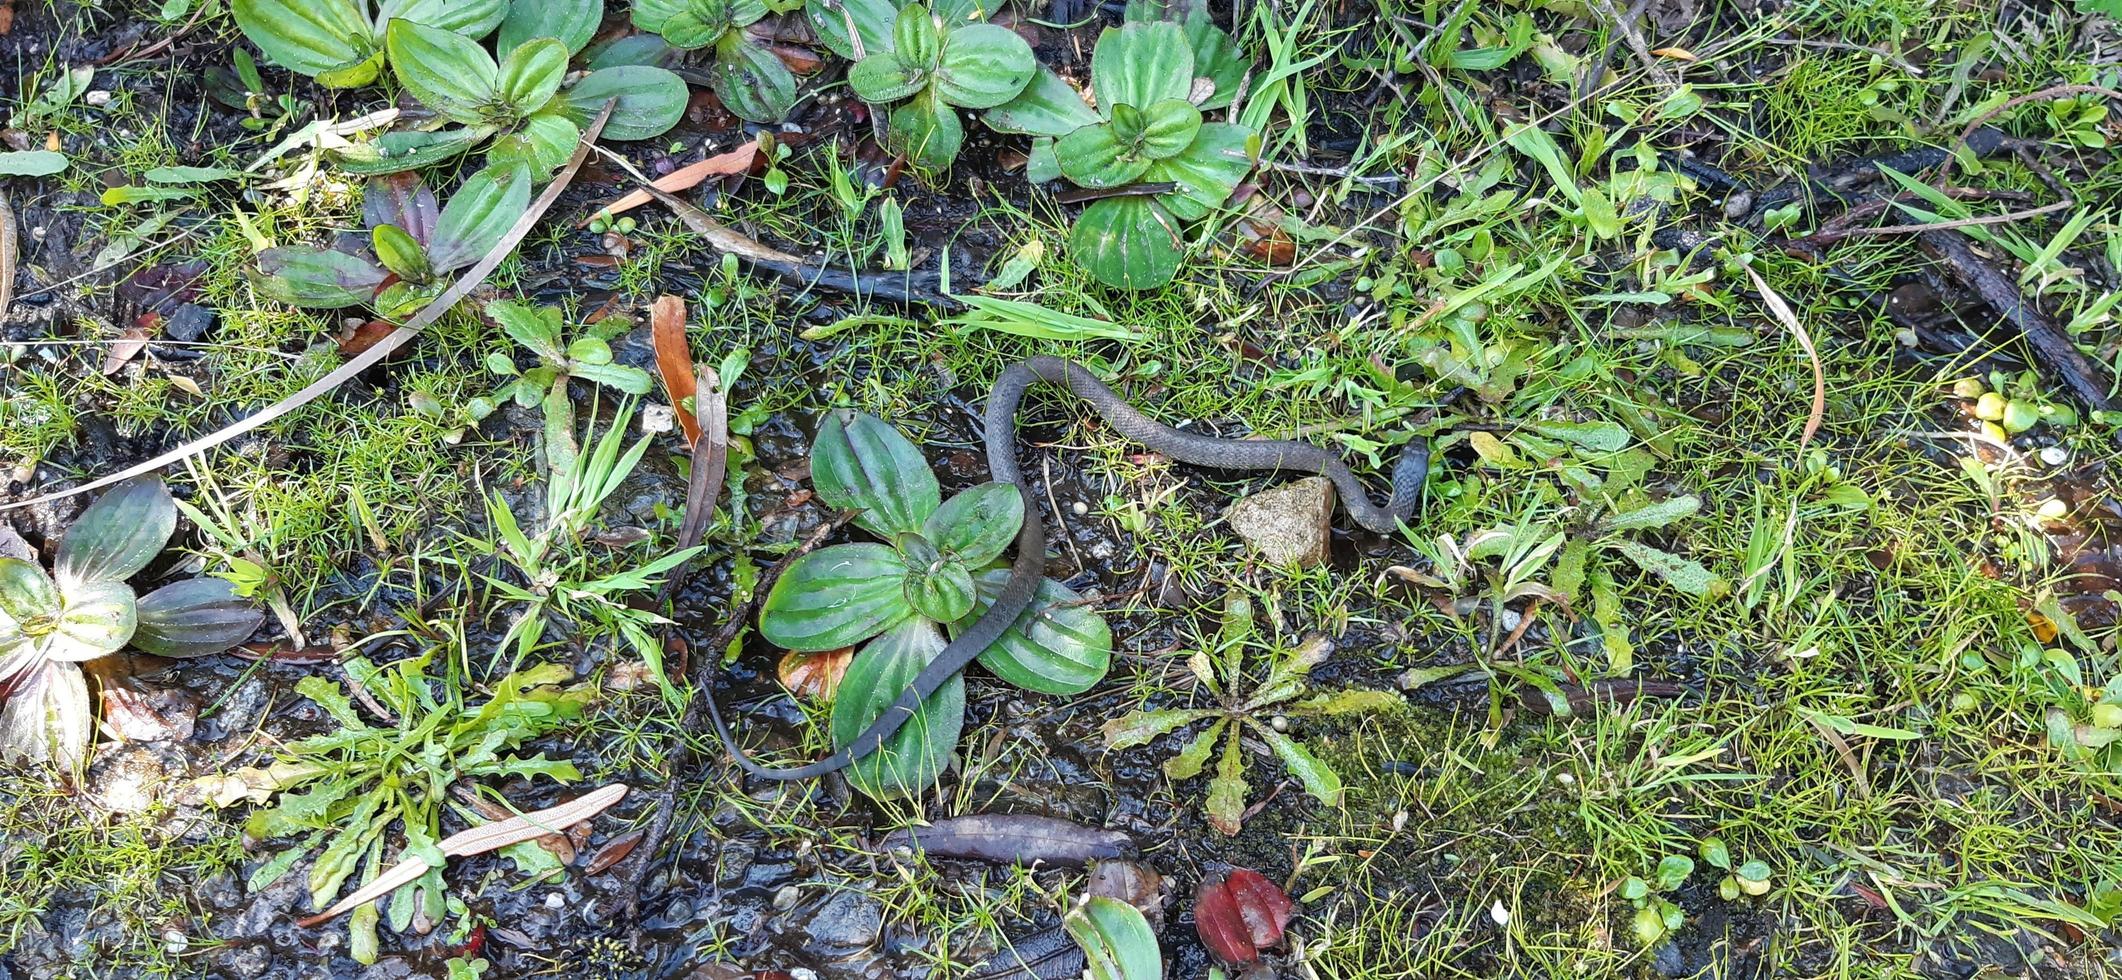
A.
pixel 1263 905
pixel 1221 927
pixel 1240 914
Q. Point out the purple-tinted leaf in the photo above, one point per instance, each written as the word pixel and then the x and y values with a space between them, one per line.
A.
pixel 403 200
pixel 47 718
pixel 194 618
pixel 1014 838
pixel 299 275
pixel 117 535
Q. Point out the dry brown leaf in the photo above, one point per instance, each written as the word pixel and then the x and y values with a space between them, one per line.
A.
pixel 815 675
pixel 674 360
pixel 131 341
pixel 736 161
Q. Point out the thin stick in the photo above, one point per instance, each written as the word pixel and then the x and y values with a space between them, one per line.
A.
pixel 8 257
pixel 1783 314
pixel 369 358
pixel 1826 238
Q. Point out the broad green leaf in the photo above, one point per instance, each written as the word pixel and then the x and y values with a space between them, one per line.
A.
pixel 1538 146
pixel 885 77
pixel 688 31
pixel 1653 516
pixel 982 66
pixel 651 15
pixel 912 759
pixel 1217 58
pixel 1059 645
pixel 474 19
pixel 861 463
pixel 927 130
pixel 535 327
pixel 399 152
pixel 619 377
pixel 1116 940
pixel 1128 242
pixel 1225 804
pixel 571 22
pixel 478 215
pixel 26 593
pixel 651 100
pixel 117 535
pixel 403 200
pixel 954 12
pixel 31 163
pixel 1169 128
pixel 1140 727
pixel 751 81
pixel 871 21
pixel 1684 574
pixel 359 72
pixel 306 36
pixel 836 597
pixel 1613 629
pixel 1190 760
pixel 1095 156
pixel 976 526
pixel 916 38
pixel 541 146
pixel 1318 778
pixel 1207 172
pixel 446 71
pixel 47 717
pixel 399 253
pixel 95 619
pixel 531 73
pixel 302 276
pixel 194 618
pixel 1048 106
pixel 1141 64
pixel 643 50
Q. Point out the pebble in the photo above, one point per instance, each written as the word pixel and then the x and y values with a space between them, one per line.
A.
pixel 2055 455
pixel 1290 524
pixel 555 900
pixel 97 99
pixel 1079 508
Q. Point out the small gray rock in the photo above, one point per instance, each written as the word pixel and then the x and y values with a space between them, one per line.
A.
pixel 1290 524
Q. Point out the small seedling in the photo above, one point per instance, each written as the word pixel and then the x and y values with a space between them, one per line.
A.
pixel 50 624
pixel 413 245
pixel 1656 915
pixel 1261 713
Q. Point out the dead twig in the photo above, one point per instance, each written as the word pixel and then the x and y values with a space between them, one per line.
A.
pixel 2052 347
pixel 1829 238
pixel 369 358
pixel 8 256
pixel 1945 168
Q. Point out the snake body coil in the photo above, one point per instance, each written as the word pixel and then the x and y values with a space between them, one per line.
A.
pixel 1030 564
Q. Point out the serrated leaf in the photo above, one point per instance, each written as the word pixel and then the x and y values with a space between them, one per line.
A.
pixel 1602 436
pixel 861 463
pixel 1225 804
pixel 836 597
pixel 1318 778
pixel 1190 760
pixel 1139 727
pixel 914 757
pixel 1684 574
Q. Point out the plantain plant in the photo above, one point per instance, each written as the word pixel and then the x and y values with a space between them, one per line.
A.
pixel 750 80
pixel 1222 671
pixel 83 610
pixel 412 245
pixel 937 571
pixel 340 43
pixel 931 64
pixel 1152 80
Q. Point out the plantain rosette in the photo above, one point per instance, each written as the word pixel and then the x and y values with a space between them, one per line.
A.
pixel 936 570
pixel 1152 81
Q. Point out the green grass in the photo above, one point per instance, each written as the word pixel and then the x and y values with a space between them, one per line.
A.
pixel 1471 843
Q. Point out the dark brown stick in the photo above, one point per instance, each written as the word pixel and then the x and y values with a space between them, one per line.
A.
pixel 2052 347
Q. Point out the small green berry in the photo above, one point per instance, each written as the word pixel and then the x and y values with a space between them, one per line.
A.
pixel 627 225
pixel 1990 407
pixel 2020 416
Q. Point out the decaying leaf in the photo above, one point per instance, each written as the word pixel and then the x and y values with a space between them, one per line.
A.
pixel 815 675
pixel 1239 914
pixel 1014 838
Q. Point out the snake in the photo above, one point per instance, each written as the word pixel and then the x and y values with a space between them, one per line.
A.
pixel 1029 566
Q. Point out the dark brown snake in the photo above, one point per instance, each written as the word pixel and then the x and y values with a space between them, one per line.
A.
pixel 1030 565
